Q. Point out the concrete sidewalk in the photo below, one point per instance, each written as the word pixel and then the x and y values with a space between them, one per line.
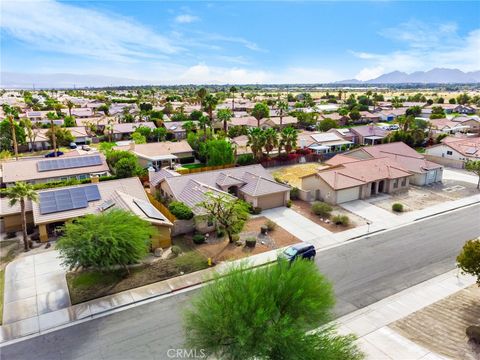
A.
pixel 370 324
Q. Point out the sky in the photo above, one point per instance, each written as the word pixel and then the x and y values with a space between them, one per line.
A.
pixel 217 42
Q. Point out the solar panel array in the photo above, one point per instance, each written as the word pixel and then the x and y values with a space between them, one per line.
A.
pixel 149 210
pixel 471 151
pixel 69 163
pixel 106 205
pixel 68 199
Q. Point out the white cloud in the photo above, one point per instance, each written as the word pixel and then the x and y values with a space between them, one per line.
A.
pixel 426 46
pixel 186 19
pixel 58 27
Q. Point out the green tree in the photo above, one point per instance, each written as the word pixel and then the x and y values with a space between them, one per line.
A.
pixel 19 193
pixel 288 139
pixel 159 134
pixel 474 167
pixel 271 140
pixel 229 212
pixel 233 90
pixel 203 122
pixel 224 115
pixel 103 241
pixel 469 259
pixel 260 111
pixel 452 101
pixel 256 141
pixel 70 104
pixel 59 137
pixel 127 167
pixel 354 115
pixel 195 115
pixel 463 99
pixel 266 314
pixel 189 126
pixel 209 104
pixel 327 124
pixel 69 121
pixel 413 111
pixel 138 138
pixel 180 210
pixel 282 109
pixel 201 94
pixel 217 152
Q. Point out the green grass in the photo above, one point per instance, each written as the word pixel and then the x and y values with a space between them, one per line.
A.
pixel 2 285
pixel 193 166
pixel 91 279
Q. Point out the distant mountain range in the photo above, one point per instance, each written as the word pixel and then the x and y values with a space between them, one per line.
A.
pixel 434 76
pixel 13 80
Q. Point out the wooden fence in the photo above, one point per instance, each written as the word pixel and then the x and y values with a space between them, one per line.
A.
pixel 162 208
pixel 185 171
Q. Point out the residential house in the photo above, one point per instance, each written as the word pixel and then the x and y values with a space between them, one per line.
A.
pixel 80 113
pixel 391 114
pixel 351 179
pixel 41 170
pixel 274 122
pixel 323 142
pixel 454 151
pixel 160 154
pixel 176 128
pixel 341 120
pixel 424 172
pixel 368 134
pixel 345 134
pixel 125 130
pixel 367 117
pixel 446 126
pixel 58 205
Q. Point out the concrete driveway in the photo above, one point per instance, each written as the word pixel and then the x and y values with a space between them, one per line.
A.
pixel 460 175
pixel 375 214
pixel 295 224
pixel 34 285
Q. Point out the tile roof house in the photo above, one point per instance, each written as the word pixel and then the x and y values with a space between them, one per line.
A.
pixel 322 142
pixel 41 170
pixel 424 172
pixel 126 194
pixel 454 151
pixel 125 130
pixel 353 180
pixel 251 183
pixel 176 128
pixel 368 134
pixel 159 154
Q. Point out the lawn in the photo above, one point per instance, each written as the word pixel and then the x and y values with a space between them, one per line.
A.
pixel 92 284
pixel 192 166
pixel 292 174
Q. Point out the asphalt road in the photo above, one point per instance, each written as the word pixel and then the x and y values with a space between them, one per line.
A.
pixel 362 272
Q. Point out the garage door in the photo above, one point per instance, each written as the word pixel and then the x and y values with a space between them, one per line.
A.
pixel 271 201
pixel 348 195
pixel 431 175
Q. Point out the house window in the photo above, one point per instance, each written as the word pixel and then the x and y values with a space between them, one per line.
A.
pixel 404 182
pixel 449 152
pixel 395 184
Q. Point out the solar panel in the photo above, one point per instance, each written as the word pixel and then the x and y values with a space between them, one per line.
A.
pixel 68 199
pixel 69 163
pixel 471 151
pixel 106 205
pixel 149 210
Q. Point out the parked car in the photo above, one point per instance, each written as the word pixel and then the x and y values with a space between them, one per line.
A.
pixel 310 128
pixel 393 127
pixel 300 251
pixel 86 148
pixel 73 145
pixel 52 154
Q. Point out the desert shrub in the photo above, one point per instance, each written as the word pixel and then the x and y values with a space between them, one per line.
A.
pixel 251 242
pixel 271 225
pixel 321 209
pixel 198 239
pixel 180 210
pixel 341 220
pixel 397 207
pixel 289 203
pixel 235 237
pixel 176 250
pixel 294 193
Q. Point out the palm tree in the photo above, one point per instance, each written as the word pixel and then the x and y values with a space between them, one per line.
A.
pixel 260 111
pixel 19 193
pixel 189 126
pixel 14 134
pixel 405 121
pixel 201 93
pixel 224 115
pixel 288 139
pixel 256 141
pixel 203 122
pixel 54 137
pixel 209 104
pixel 233 90
pixel 271 140
pixel 70 105
pixel 282 108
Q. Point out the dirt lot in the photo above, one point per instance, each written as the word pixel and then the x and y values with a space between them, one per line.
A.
pixel 441 326
pixel 418 198
pixel 291 174
pixel 220 250
pixel 303 208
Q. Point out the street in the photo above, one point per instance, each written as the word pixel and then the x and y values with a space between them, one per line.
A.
pixel 362 272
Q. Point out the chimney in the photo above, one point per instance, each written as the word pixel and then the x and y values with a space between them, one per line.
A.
pixel 151 171
pixel 95 179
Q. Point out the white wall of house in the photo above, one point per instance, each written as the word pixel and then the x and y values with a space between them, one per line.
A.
pixel 346 195
pixel 445 155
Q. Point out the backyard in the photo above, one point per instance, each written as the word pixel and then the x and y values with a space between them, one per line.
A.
pixel 292 174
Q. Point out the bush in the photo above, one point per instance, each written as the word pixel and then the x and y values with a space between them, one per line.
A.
pixel 235 237
pixel 256 210
pixel 271 225
pixel 176 250
pixel 250 242
pixel 397 207
pixel 341 220
pixel 220 233
pixel 180 210
pixel 198 239
pixel 294 193
pixel 321 209
pixel 245 159
pixel 186 160
pixel 289 203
